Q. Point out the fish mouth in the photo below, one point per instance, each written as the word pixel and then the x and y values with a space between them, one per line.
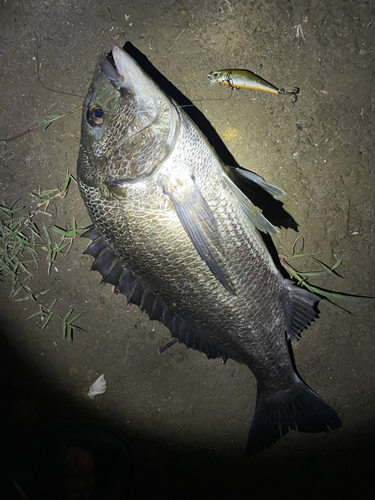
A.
pixel 115 57
pixel 121 69
pixel 112 67
pixel 110 59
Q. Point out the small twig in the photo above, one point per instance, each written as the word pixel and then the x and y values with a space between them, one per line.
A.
pixel 38 65
pixel 299 33
pixel 40 122
pixel 167 346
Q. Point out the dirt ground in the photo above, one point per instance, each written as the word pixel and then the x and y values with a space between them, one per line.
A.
pixel 185 419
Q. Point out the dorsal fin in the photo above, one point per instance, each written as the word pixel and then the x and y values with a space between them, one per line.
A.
pixel 114 272
pixel 245 180
pixel 255 215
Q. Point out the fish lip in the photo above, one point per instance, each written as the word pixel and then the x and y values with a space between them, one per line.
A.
pixel 110 58
pixel 115 55
pixel 111 67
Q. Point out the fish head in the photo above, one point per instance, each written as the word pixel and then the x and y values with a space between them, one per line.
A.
pixel 129 125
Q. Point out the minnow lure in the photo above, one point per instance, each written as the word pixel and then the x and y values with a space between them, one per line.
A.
pixel 243 78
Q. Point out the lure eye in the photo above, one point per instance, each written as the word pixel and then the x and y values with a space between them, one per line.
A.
pixel 95 116
pixel 213 76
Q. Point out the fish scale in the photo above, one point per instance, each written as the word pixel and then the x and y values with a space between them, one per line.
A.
pixel 176 232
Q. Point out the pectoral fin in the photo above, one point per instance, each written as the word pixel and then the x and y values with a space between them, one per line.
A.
pixel 201 226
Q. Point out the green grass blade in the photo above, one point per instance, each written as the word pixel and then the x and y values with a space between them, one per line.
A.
pixel 47 319
pixel 52 305
pixel 66 184
pixel 321 291
pixel 358 299
pixel 72 320
pixel 48 237
pixel 39 313
pixel 327 269
pixel 59 230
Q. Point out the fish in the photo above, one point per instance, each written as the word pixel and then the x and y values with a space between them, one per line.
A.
pixel 175 230
pixel 244 78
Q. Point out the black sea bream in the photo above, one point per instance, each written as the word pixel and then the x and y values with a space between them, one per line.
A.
pixel 174 232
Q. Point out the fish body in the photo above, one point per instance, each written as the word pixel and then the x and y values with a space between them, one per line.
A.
pixel 175 232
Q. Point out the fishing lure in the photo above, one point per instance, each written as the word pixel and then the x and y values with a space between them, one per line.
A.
pixel 243 78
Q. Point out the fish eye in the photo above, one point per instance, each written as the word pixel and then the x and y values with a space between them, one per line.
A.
pixel 95 116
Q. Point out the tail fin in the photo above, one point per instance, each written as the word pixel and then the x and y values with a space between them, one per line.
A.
pixel 299 408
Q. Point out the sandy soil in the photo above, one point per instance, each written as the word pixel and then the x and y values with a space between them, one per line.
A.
pixel 185 419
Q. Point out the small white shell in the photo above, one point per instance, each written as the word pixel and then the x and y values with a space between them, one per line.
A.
pixel 98 387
